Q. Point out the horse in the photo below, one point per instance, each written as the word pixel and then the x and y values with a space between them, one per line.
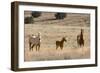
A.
pixel 34 41
pixel 60 43
pixel 80 39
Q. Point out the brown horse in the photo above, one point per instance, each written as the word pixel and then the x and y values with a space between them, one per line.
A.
pixel 60 43
pixel 80 39
pixel 34 41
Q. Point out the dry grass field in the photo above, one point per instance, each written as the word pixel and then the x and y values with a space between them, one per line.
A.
pixel 52 30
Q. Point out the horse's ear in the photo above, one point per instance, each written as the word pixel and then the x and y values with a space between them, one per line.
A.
pixel 39 33
pixel 82 30
pixel 64 37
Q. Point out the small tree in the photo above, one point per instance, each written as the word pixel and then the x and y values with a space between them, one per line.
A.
pixel 60 15
pixel 36 14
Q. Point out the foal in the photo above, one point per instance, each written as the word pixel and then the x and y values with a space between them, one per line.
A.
pixel 80 39
pixel 60 43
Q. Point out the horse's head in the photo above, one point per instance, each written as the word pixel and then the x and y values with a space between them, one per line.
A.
pixel 82 30
pixel 64 39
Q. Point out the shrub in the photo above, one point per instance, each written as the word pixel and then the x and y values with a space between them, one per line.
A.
pixel 28 20
pixel 60 15
pixel 36 14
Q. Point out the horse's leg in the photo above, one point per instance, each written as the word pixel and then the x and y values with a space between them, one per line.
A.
pixel 56 47
pixel 83 42
pixel 38 47
pixel 61 47
pixel 30 46
pixel 79 43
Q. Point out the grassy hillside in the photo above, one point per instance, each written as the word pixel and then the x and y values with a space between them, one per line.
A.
pixel 52 30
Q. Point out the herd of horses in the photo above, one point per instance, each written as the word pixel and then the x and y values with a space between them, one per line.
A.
pixel 35 40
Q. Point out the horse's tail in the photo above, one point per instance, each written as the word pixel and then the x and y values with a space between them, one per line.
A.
pixel 78 38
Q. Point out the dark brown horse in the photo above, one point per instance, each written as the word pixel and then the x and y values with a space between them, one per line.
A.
pixel 60 43
pixel 80 39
